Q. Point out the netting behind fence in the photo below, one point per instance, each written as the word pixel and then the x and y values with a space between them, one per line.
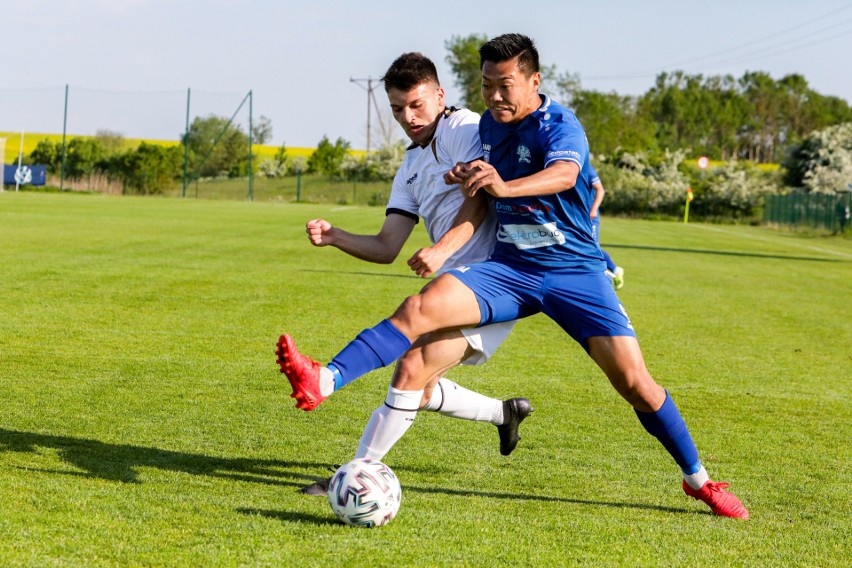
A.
pixel 303 189
pixel 118 122
pixel 154 115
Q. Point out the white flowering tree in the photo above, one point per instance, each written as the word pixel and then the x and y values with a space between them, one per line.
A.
pixel 830 157
pixel 734 188
pixel 380 165
pixel 636 186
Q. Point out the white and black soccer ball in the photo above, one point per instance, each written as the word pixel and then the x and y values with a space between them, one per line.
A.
pixel 364 493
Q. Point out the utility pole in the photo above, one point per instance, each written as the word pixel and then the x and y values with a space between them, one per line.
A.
pixel 369 88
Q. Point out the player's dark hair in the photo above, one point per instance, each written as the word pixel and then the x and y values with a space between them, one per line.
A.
pixel 508 46
pixel 409 70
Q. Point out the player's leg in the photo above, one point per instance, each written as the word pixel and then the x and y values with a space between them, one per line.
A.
pixel 420 371
pixel 443 303
pixel 621 359
pixel 586 306
pixel 429 359
pixel 615 272
pixel 610 264
pixel 414 371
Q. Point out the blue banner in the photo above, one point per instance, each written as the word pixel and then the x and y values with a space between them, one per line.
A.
pixel 28 175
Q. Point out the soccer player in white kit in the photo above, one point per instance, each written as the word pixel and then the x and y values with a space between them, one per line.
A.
pixel 441 137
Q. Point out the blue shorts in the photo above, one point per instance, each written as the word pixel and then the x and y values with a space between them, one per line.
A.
pixel 582 302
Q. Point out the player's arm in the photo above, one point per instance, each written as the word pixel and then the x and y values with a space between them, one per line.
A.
pixel 599 195
pixel 558 176
pixel 473 211
pixel 382 248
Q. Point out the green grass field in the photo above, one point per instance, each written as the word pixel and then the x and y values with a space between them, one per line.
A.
pixel 144 420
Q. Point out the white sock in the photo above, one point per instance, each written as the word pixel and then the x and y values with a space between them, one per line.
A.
pixel 389 423
pixel 451 399
pixel 697 479
pixel 326 381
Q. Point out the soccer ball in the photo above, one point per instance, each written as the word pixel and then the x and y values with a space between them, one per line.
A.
pixel 364 493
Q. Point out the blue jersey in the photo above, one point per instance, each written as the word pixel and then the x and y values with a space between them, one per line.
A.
pixel 547 230
pixel 593 175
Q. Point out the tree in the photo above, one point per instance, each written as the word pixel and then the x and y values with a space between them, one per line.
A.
pixel 613 123
pixel 277 166
pixel 328 158
pixel 113 142
pixel 380 165
pixel 84 155
pixel 47 153
pixel 216 148
pixel 822 163
pixel 463 59
pixel 262 131
pixel 567 85
pixel 147 169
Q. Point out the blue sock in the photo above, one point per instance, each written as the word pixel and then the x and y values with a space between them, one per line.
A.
pixel 374 347
pixel 610 264
pixel 668 427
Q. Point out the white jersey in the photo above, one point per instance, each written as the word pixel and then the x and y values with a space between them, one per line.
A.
pixel 419 189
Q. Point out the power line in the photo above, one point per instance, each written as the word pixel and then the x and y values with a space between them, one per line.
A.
pixel 113 91
pixel 797 27
pixel 784 45
pixel 784 49
pixel 30 89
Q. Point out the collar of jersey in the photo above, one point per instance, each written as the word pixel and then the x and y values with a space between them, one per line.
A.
pixel 545 105
pixel 447 112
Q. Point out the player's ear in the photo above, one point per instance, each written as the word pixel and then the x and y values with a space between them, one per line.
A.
pixel 439 92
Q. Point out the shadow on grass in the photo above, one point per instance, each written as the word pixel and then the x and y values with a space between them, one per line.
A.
pixel 119 462
pixel 362 273
pixel 291 517
pixel 722 253
pixel 300 517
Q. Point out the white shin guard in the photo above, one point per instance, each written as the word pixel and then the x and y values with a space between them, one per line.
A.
pixel 389 423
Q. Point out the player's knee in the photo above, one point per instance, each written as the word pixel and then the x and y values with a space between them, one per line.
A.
pixel 407 315
pixel 634 384
pixel 417 314
pixel 409 373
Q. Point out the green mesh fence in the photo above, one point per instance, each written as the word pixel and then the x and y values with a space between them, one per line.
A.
pixel 809 210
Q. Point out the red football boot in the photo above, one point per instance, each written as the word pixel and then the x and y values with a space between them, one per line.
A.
pixel 302 372
pixel 721 502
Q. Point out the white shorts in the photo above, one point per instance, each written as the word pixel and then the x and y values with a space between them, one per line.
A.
pixel 485 340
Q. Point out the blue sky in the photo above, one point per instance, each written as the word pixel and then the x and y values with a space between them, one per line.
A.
pixel 129 62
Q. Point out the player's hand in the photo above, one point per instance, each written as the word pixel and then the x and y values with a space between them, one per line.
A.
pixel 457 175
pixel 593 213
pixel 482 175
pixel 426 261
pixel 319 232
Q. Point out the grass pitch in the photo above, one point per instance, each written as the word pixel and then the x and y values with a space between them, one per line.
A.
pixel 144 421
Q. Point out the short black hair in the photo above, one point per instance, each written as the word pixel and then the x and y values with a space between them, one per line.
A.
pixel 409 70
pixel 508 46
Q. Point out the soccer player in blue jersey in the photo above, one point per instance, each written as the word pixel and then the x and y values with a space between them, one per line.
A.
pixel 546 260
pixel 612 270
